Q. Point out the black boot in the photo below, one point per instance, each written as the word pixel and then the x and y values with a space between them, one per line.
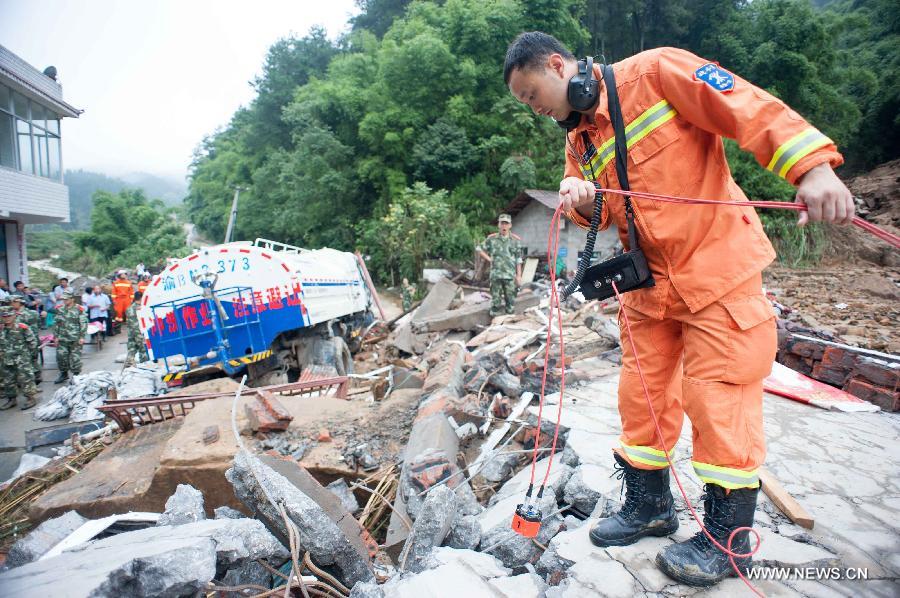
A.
pixel 63 376
pixel 648 509
pixel 697 561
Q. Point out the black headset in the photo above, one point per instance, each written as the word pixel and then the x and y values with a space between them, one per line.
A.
pixel 582 93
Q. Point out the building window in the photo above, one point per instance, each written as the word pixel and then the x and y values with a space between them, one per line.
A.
pixel 29 136
pixel 7 141
pixel 23 140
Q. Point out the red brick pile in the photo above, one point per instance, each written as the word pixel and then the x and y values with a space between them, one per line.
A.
pixel 864 376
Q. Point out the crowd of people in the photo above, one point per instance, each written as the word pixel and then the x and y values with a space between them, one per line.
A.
pixel 67 324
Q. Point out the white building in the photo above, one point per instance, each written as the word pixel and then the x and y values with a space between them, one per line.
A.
pixel 531 213
pixel 31 180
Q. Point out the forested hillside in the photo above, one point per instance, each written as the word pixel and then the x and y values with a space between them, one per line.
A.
pixel 401 139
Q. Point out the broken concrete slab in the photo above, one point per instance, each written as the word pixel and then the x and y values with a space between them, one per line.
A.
pixel 44 537
pixel 500 467
pixel 158 562
pixel 526 585
pixel 518 484
pixel 99 490
pixel 438 299
pixel 455 579
pixel 470 317
pixel 597 574
pixel 340 489
pixel 250 572
pixel 465 533
pixel 447 372
pixel 320 520
pixel 512 549
pixel 484 565
pixel 593 491
pixel 431 527
pixel 227 513
pixel 185 506
pixel 368 589
pixel 779 551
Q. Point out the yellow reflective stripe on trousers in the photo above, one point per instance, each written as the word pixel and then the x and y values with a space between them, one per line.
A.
pixel 651 119
pixel 795 149
pixel 646 455
pixel 726 477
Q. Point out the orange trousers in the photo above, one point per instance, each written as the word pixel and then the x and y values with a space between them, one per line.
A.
pixel 709 365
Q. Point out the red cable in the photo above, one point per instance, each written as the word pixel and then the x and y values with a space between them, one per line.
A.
pixel 552 253
pixel 731 555
pixel 867 226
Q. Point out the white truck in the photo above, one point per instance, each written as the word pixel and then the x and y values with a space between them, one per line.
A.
pixel 266 308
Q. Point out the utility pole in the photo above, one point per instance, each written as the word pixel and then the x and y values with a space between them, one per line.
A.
pixel 233 217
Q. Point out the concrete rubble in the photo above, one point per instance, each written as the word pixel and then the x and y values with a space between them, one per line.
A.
pixel 152 562
pixel 256 482
pixel 432 516
pixel 185 506
pixel 47 535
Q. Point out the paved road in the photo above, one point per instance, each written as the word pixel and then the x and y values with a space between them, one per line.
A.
pixel 14 422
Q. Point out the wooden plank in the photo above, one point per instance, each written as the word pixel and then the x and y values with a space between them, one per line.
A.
pixel 783 500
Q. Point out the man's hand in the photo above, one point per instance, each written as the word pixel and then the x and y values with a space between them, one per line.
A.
pixel 575 192
pixel 826 197
pixel 81 341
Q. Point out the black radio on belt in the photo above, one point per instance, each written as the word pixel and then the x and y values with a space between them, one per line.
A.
pixel 628 271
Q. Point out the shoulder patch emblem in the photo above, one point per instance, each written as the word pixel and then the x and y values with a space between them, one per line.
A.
pixel 515 236
pixel 492 235
pixel 716 77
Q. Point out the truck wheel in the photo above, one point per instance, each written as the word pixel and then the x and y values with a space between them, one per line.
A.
pixel 343 360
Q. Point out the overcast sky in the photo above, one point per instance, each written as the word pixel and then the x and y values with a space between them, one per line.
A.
pixel 153 77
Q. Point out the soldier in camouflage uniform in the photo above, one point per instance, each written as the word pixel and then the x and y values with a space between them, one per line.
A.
pixel 408 292
pixel 135 340
pixel 17 344
pixel 30 318
pixel 503 250
pixel 70 326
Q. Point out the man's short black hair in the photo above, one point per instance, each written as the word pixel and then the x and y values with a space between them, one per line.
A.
pixel 529 50
pixel 17 283
pixel 63 278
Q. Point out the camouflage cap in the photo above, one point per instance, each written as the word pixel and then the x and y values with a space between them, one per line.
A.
pixel 6 311
pixel 505 218
pixel 68 295
pixel 16 297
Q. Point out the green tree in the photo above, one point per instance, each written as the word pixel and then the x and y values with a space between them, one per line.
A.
pixel 419 225
pixel 126 228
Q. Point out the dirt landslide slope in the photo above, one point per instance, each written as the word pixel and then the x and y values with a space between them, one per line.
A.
pixel 854 292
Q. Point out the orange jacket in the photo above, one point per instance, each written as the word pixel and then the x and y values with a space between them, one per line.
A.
pixel 677 107
pixel 142 286
pixel 123 295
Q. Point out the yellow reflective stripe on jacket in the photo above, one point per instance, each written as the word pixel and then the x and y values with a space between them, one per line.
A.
pixel 795 149
pixel 726 477
pixel 646 455
pixel 651 119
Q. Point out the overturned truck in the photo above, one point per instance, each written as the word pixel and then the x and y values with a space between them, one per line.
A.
pixel 266 309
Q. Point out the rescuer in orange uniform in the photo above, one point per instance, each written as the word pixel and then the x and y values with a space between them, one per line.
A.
pixel 123 295
pixel 705 334
pixel 143 283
